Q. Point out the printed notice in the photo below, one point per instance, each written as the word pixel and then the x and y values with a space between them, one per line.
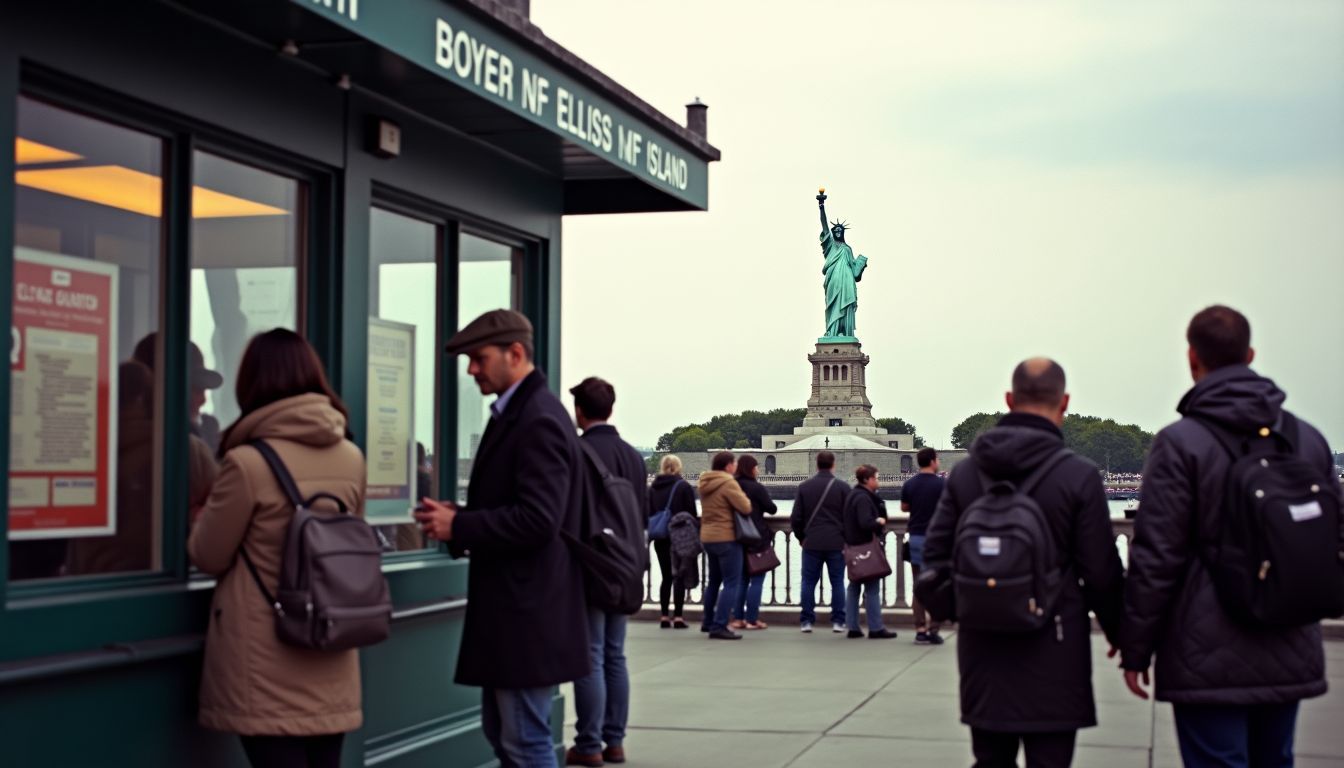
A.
pixel 62 443
pixel 391 446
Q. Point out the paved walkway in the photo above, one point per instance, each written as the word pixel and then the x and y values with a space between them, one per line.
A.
pixel 781 698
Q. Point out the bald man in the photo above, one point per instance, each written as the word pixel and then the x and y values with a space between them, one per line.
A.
pixel 1034 689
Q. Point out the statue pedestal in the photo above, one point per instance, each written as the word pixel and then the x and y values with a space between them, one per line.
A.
pixel 839 401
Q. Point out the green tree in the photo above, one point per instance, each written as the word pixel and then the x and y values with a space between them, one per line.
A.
pixel 651 464
pixel 741 444
pixel 691 440
pixel 898 426
pixel 734 428
pixel 970 428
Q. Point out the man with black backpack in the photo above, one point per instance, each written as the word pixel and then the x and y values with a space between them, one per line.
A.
pixel 526 627
pixel 1236 556
pixel 1022 538
pixel 602 699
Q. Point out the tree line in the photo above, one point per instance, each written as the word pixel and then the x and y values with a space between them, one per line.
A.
pixel 1112 446
pixel 744 430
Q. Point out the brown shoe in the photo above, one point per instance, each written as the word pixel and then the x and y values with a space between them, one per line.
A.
pixel 575 757
pixel 614 754
pixel 737 624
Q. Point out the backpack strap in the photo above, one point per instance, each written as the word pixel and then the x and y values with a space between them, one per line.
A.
pixel 595 459
pixel 817 508
pixel 1285 434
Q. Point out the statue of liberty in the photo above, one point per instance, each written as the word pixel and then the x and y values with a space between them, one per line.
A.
pixel 842 273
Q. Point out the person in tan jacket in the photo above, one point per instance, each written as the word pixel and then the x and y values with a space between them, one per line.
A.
pixel 291 706
pixel 720 498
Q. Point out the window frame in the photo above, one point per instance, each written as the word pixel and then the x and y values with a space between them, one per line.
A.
pixel 181 138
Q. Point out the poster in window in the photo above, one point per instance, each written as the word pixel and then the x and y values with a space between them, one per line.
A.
pixel 391 446
pixel 62 361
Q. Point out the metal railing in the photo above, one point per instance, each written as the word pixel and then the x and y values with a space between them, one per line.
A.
pixel 783 585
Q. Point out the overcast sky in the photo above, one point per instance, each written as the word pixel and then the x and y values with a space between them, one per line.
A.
pixel 1048 178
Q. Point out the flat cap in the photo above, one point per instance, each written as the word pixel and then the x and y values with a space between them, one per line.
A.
pixel 498 326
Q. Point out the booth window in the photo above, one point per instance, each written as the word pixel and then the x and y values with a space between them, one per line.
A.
pixel 86 287
pixel 403 378
pixel 247 244
pixel 489 277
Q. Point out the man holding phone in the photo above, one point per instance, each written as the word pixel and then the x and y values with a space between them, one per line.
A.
pixel 526 627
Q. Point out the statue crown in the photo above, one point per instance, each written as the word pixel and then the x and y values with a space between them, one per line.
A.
pixel 842 225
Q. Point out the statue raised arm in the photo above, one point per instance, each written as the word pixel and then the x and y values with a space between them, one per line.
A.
pixel 821 203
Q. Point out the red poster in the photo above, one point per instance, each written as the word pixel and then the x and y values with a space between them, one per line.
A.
pixel 62 444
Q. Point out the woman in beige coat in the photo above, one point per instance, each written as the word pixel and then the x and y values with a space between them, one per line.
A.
pixel 291 706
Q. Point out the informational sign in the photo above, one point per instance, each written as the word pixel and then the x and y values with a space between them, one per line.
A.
pixel 462 49
pixel 63 431
pixel 391 448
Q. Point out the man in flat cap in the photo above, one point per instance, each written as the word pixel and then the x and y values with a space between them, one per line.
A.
pixel 526 627
pixel 200 380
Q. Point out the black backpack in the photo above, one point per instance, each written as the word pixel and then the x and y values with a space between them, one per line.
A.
pixel 1275 559
pixel 332 594
pixel 1005 564
pixel 612 548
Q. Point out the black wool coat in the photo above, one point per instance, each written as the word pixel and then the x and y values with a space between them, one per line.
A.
pixel 826 531
pixel 682 501
pixel 526 622
pixel 1037 681
pixel 1171 608
pixel 862 508
pixel 761 505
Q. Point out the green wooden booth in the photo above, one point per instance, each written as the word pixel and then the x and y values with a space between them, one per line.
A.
pixel 189 172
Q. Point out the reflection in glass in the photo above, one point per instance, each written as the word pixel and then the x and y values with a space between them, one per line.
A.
pixel 246 244
pixel 489 277
pixel 403 318
pixel 83 440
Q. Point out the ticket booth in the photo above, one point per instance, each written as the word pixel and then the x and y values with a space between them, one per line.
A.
pixel 187 173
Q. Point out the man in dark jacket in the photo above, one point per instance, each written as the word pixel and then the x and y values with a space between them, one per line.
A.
pixel 1035 688
pixel 602 699
pixel 1235 688
pixel 526 627
pixel 919 497
pixel 817 521
pixel 865 515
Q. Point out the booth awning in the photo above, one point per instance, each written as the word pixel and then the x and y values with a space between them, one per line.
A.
pixel 485 70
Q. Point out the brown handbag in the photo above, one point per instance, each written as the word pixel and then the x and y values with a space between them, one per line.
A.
pixel 762 562
pixel 865 562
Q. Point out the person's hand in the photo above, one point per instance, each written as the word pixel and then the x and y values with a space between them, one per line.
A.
pixel 881 521
pixel 1132 678
pixel 436 518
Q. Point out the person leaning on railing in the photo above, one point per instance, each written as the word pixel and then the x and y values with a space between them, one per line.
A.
pixel 747 609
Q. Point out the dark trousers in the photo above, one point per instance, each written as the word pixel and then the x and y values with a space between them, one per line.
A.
pixel 294 751
pixel 663 548
pixel 1236 737
pixel 1044 750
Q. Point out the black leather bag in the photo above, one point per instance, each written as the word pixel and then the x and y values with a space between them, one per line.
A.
pixel 764 561
pixel 745 530
pixel 866 562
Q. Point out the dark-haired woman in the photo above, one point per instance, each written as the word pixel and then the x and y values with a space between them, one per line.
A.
pixel 291 706
pixel 747 613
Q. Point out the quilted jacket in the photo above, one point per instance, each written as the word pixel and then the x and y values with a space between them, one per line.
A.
pixel 1171 609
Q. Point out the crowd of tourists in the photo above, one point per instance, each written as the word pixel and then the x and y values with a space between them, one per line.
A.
pixel 1235 559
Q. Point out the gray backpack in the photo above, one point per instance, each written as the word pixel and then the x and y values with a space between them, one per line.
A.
pixel 332 595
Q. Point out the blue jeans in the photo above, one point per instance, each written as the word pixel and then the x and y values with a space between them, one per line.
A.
pixel 517 723
pixel 748 608
pixel 602 699
pixel 917 550
pixel 725 568
pixel 834 560
pixel 1236 736
pixel 872 604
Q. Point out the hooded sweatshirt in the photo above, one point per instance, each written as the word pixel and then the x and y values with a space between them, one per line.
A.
pixel 720 497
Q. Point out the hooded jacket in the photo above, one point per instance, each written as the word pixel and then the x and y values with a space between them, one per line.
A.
pixel 1038 681
pixel 682 501
pixel 1171 608
pixel 252 683
pixel 720 498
